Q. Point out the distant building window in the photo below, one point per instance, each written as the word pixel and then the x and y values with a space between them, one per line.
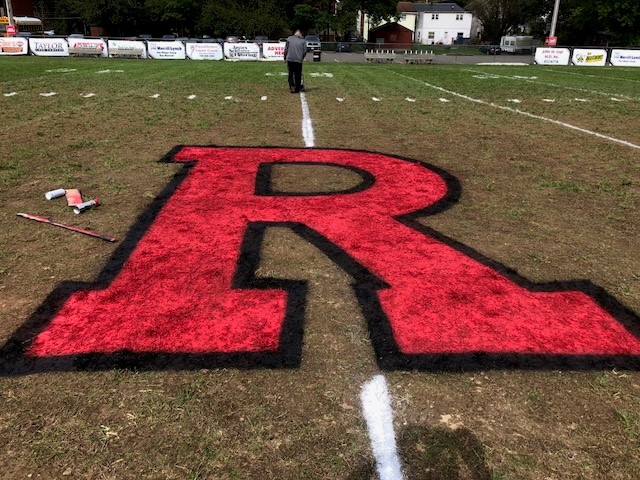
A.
pixel 461 34
pixel 403 17
pixel 459 16
pixel 431 35
pixel 435 16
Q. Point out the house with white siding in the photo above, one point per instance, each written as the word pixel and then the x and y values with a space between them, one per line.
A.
pixel 431 23
pixel 441 23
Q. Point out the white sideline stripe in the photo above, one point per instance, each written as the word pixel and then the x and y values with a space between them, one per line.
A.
pixel 307 125
pixel 376 407
pixel 526 114
pixel 553 70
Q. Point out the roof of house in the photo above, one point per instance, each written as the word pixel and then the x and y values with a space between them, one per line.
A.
pixel 406 7
pixel 438 7
pixel 390 26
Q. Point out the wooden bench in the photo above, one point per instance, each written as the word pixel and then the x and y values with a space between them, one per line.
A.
pixel 380 57
pixel 418 59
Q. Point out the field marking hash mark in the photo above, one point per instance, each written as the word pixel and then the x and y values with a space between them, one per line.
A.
pixel 307 124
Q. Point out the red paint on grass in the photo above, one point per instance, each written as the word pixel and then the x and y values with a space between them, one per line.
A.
pixel 174 292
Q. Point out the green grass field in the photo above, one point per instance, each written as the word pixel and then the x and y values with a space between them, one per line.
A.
pixel 549 163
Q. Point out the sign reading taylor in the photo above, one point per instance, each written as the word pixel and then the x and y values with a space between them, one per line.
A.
pixel 49 47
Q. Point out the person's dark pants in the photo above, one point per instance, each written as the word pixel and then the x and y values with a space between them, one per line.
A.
pixel 295 75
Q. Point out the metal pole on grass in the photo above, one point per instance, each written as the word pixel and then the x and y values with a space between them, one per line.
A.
pixel 554 19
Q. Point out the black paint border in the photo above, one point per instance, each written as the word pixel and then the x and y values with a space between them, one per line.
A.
pixel 388 355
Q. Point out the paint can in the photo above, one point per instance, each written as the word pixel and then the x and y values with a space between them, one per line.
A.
pixel 50 195
pixel 85 206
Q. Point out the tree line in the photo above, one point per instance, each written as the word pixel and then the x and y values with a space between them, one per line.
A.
pixel 581 22
pixel 215 18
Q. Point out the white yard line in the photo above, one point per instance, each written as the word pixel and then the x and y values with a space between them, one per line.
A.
pixel 376 407
pixel 307 125
pixel 526 114
pixel 555 85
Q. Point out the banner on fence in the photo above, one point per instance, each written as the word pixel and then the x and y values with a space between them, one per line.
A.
pixel 552 56
pixel 49 47
pixel 13 46
pixel 625 58
pixel 88 46
pixel 273 51
pixel 127 48
pixel 242 51
pixel 204 51
pixel 589 57
pixel 166 50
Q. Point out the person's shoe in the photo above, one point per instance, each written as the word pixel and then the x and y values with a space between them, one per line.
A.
pixel 296 91
pixel 292 89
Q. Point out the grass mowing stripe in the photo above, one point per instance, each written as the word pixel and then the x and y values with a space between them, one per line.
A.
pixel 564 72
pixel 536 82
pixel 521 112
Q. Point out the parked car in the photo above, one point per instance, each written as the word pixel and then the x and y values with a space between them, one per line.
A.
pixel 260 39
pixel 344 47
pixel 313 42
pixel 235 39
pixel 76 35
pixel 168 37
pixel 491 49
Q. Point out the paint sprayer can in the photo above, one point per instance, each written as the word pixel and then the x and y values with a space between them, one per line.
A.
pixel 50 195
pixel 86 206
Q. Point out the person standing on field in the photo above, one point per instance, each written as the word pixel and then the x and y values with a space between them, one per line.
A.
pixel 294 53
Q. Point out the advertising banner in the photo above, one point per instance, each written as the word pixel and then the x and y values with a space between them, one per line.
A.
pixel 127 48
pixel 625 58
pixel 88 46
pixel 273 51
pixel 204 51
pixel 242 51
pixel 13 46
pixel 49 47
pixel 596 57
pixel 172 50
pixel 552 56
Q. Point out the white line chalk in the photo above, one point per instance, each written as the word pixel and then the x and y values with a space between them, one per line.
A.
pixel 155 95
pixel 50 94
pixel 88 95
pixel 376 408
pixel 307 125
pixel 444 100
pixel 12 94
pixel 549 100
pixel 410 100
pixel 521 112
pixel 375 99
pixel 263 98
pixel 514 100
pixel 340 99
pixel 192 97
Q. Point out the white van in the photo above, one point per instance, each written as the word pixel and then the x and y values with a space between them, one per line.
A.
pixel 516 44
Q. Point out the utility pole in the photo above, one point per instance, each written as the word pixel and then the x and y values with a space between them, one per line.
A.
pixel 554 19
pixel 10 12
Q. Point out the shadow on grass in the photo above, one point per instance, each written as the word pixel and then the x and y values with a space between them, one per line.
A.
pixel 436 453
